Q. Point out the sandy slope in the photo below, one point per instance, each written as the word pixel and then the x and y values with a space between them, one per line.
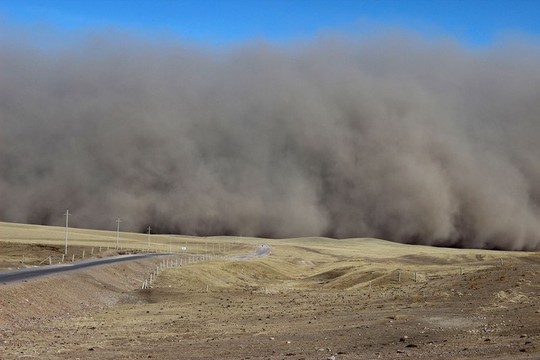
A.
pixel 309 299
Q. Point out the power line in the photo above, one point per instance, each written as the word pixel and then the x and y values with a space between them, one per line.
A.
pixel 118 221
pixel 67 225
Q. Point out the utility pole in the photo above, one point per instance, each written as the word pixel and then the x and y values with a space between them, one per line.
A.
pixel 118 221
pixel 67 225
pixel 149 228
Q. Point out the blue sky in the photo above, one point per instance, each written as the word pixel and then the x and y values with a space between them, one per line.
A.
pixel 475 23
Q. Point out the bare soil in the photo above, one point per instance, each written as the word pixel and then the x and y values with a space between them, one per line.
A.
pixel 309 299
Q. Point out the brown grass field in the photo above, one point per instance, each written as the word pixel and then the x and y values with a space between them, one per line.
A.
pixel 311 298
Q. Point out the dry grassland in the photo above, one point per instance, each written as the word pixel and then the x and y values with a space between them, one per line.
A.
pixel 311 298
pixel 29 245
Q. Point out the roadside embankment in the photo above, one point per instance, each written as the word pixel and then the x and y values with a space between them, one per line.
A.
pixel 45 298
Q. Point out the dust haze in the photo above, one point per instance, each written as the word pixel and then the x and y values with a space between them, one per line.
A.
pixel 393 136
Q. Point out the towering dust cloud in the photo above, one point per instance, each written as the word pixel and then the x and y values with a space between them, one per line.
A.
pixel 393 137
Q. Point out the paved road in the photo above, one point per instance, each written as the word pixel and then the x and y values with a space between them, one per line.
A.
pixel 29 273
pixel 262 250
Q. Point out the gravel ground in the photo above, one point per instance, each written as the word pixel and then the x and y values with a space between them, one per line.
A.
pixel 278 309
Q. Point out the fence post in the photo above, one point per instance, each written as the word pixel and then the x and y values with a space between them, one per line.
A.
pixel 83 254
pixel 73 257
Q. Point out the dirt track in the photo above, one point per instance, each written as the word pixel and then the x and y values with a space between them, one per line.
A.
pixel 301 302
